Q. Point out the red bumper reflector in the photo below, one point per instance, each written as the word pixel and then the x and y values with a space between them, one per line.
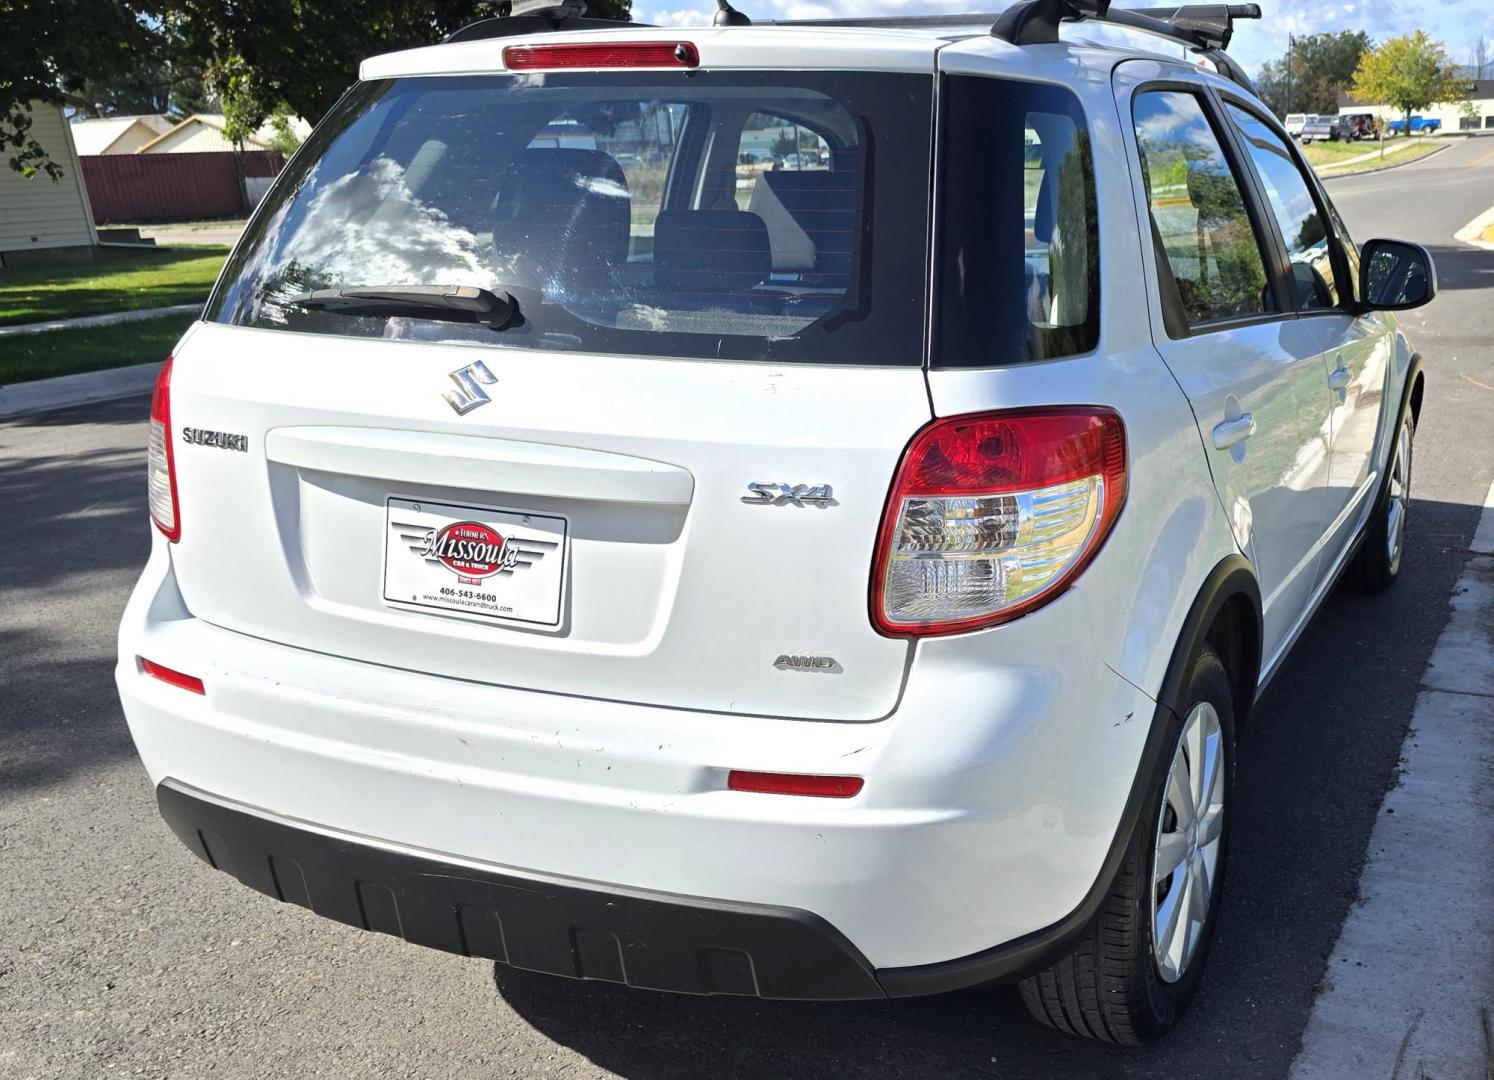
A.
pixel 619 54
pixel 767 783
pixel 175 678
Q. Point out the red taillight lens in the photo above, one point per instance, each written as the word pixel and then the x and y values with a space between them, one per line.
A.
pixel 175 678
pixel 993 515
pixel 766 783
pixel 619 54
pixel 161 460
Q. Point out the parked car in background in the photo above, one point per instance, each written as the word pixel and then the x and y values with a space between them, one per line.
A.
pixel 1360 126
pixel 1420 125
pixel 1323 129
pixel 1295 122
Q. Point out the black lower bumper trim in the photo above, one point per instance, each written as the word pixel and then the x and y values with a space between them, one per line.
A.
pixel 655 940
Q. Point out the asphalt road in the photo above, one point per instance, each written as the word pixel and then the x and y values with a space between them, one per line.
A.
pixel 121 954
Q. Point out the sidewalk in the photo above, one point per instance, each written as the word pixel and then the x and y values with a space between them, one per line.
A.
pixel 1409 989
pixel 98 320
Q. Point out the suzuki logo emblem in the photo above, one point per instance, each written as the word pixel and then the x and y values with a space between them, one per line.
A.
pixel 469 393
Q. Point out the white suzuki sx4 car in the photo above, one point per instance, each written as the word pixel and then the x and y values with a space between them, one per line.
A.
pixel 791 510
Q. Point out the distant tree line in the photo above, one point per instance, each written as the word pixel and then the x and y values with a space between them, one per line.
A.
pixel 1408 72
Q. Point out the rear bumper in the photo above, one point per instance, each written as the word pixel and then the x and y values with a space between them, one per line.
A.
pixel 993 800
pixel 655 941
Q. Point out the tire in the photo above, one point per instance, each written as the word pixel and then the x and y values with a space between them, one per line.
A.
pixel 1116 986
pixel 1378 562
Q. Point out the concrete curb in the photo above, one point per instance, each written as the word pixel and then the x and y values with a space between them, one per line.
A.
pixel 1393 165
pixel 66 390
pixel 98 320
pixel 1473 232
pixel 1408 988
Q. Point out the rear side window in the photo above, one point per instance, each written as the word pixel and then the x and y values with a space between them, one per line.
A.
pixel 1019 262
pixel 1302 225
pixel 1198 211
pixel 717 215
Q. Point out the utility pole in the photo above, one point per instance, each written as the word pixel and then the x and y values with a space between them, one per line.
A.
pixel 1291 43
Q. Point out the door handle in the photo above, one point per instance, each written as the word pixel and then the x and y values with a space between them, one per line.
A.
pixel 1229 432
pixel 1340 377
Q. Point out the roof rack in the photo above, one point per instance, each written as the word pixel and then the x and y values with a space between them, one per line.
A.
pixel 1204 28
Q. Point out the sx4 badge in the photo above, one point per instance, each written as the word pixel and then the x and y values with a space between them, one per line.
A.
pixel 789 495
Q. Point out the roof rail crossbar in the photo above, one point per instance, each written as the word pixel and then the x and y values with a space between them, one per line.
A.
pixel 534 17
pixel 1204 28
pixel 892 22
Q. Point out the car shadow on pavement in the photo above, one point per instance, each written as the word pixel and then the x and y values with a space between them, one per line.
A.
pixel 73 532
pixel 128 410
pixel 1314 762
pixel 1460 266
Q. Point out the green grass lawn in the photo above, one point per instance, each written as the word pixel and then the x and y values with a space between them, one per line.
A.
pixel 1395 154
pixel 24 357
pixel 121 281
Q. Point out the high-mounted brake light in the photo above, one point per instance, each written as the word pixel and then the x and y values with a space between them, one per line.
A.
pixel 617 54
pixel 161 460
pixel 766 783
pixel 171 676
pixel 994 514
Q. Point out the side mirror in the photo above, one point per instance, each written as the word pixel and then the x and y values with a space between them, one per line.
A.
pixel 1395 275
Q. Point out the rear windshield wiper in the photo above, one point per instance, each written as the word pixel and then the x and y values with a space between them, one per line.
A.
pixel 454 303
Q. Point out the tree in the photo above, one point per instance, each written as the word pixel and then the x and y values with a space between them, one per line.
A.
pixel 54 44
pixel 254 55
pixel 154 85
pixel 259 54
pixel 1313 73
pixel 1409 72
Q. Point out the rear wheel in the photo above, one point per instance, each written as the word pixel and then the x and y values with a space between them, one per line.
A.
pixel 1135 971
pixel 1379 560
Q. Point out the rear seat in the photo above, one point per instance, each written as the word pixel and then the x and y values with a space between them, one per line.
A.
pixel 811 220
pixel 710 251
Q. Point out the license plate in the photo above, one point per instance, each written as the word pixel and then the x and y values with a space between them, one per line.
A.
pixel 474 562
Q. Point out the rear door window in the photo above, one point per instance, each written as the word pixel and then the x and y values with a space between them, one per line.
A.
pixel 724 215
pixel 1198 210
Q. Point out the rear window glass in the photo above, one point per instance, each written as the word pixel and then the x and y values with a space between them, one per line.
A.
pixel 732 215
pixel 1019 262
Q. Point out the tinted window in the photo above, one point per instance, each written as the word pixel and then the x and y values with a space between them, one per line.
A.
pixel 1019 255
pixel 1297 215
pixel 617 209
pixel 1198 210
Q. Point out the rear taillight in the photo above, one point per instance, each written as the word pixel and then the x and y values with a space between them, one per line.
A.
pixel 994 514
pixel 161 460
pixel 617 54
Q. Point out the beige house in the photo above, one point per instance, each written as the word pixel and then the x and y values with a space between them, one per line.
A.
pixel 203 132
pixel 198 133
pixel 39 218
pixel 117 134
pixel 1480 118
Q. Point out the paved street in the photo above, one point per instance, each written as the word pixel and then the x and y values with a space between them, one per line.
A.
pixel 122 954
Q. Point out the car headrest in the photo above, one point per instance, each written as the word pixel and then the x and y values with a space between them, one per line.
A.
pixel 563 214
pixel 810 215
pixel 710 251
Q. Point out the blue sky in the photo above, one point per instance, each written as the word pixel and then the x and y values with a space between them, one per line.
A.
pixel 1456 23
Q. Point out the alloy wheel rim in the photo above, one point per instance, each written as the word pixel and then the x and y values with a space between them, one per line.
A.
pixel 1400 498
pixel 1190 828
